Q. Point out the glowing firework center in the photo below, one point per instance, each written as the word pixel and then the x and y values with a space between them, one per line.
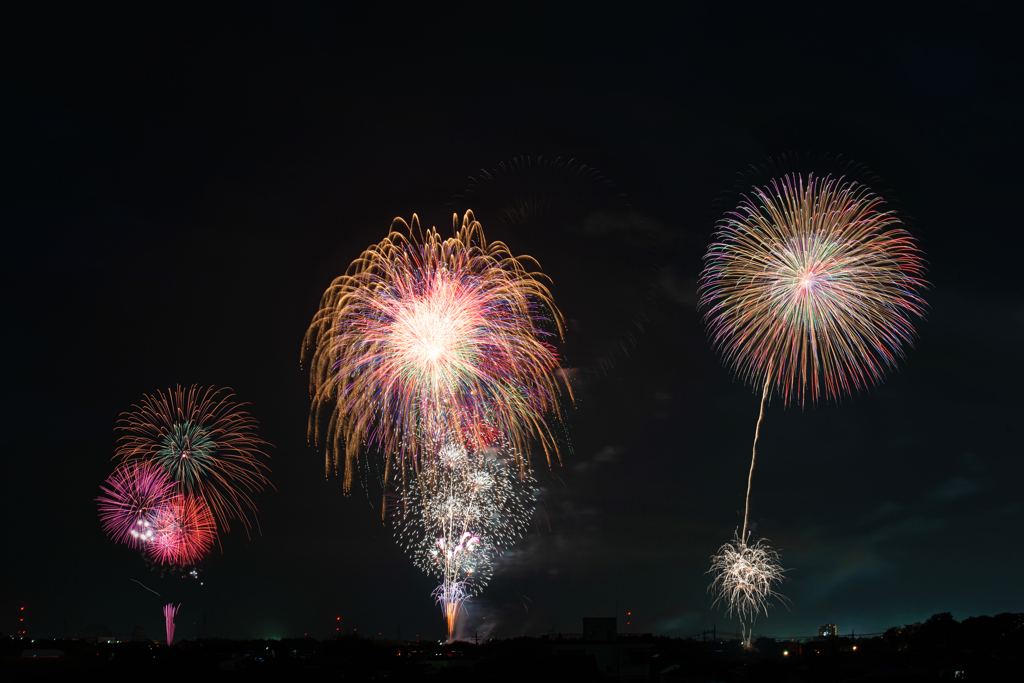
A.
pixel 187 451
pixel 426 339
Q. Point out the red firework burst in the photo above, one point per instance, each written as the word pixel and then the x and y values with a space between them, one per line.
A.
pixel 184 531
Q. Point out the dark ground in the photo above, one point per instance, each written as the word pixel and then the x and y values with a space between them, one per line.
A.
pixel 977 649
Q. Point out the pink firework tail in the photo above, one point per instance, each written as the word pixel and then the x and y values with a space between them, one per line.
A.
pixel 169 611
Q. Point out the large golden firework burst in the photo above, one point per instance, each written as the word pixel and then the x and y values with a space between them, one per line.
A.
pixel 425 337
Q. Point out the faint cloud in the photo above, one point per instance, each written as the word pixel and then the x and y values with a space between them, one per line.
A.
pixel 953 488
pixel 857 565
pixel 1012 508
pixel 680 620
pixel 608 454
pixel 916 526
pixel 570 509
pixel 604 222
pixel 884 509
pixel 973 463
pixel 937 68
pixel 681 291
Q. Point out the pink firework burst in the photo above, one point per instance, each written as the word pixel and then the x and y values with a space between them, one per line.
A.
pixel 131 500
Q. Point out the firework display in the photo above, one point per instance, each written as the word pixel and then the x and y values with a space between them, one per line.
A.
pixel 437 353
pixel 810 290
pixel 205 443
pixel 455 519
pixel 189 464
pixel 424 337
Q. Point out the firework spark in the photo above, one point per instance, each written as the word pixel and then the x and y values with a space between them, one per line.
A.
pixel 183 531
pixel 811 287
pixel 745 575
pixel 206 444
pixel 423 338
pixel 131 500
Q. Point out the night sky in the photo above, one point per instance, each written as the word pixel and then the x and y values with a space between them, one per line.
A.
pixel 179 187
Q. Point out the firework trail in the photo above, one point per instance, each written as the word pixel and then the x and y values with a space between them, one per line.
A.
pixel 131 500
pixel 169 611
pixel 425 337
pixel 144 586
pixel 456 519
pixel 810 290
pixel 205 443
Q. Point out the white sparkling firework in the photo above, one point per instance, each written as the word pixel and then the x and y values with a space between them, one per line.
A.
pixel 455 519
pixel 745 575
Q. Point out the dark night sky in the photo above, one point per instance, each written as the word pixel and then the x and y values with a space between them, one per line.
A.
pixel 179 187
